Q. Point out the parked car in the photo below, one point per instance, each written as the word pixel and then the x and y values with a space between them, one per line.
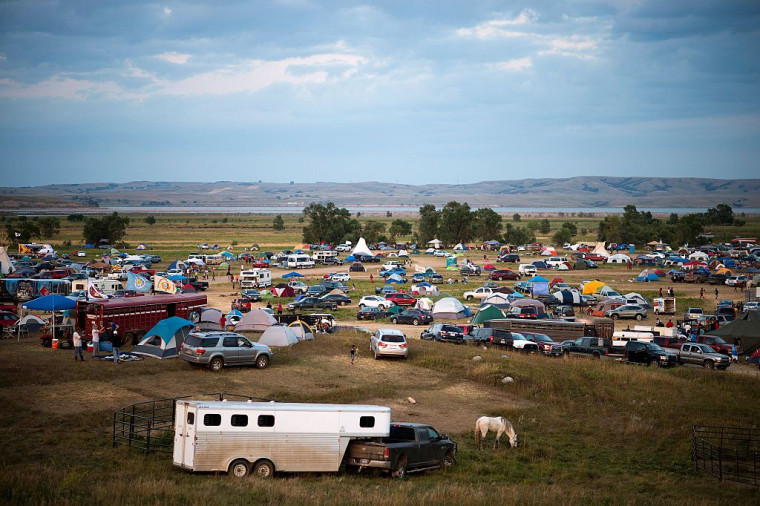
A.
pixel 298 287
pixel 718 344
pixel 343 277
pixel 523 343
pixel 8 319
pixel 627 311
pixel 199 286
pixel 527 270
pixel 241 304
pixel 717 279
pixel 478 293
pixel 564 312
pixel 251 294
pixel 81 253
pixel 703 355
pixel 751 306
pixel 503 274
pixel 471 270
pixel 371 313
pixel 595 347
pixel 332 261
pixel 375 301
pixel 736 280
pixel 418 277
pixel 413 316
pixel 341 300
pixel 219 349
pixel 401 299
pixel 410 447
pixel 388 342
pixel 510 258
pixel 443 332
pixel 436 279
pixel 545 343
pixel 646 353
pixel 693 313
pixel 488 336
pixel 312 303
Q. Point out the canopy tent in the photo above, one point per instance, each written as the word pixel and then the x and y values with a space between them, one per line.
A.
pixel 487 313
pixel 424 303
pixel 278 335
pixel 592 287
pixel 302 330
pixel 538 279
pixel 165 339
pixel 746 328
pixel 178 277
pixel 361 248
pixel 646 276
pixel 256 320
pixel 693 264
pixel 52 303
pixel 435 243
pixel 449 308
pixel 568 297
pixel 6 267
pixel 293 275
pixel 619 259
pixel 600 250
pixel 699 255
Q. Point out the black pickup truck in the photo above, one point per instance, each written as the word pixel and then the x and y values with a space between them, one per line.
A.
pixel 645 353
pixel 411 447
pixel 198 286
pixel 596 347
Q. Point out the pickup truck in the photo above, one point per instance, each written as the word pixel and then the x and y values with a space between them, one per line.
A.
pixel 312 303
pixel 641 352
pixel 411 447
pixel 594 346
pixel 704 355
pixel 668 342
pixel 717 344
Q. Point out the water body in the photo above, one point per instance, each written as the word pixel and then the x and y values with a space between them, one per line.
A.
pixel 362 209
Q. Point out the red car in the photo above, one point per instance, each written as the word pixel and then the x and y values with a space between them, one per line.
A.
pixel 401 299
pixel 7 319
pixel 259 264
pixel 504 274
pixel 717 344
pixel 241 304
pixel 59 273
pixel 148 273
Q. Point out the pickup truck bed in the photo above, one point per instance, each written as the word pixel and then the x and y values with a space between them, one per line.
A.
pixel 411 447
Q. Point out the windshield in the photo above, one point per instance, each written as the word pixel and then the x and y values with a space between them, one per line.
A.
pixel 654 347
pixel 542 338
pixel 717 340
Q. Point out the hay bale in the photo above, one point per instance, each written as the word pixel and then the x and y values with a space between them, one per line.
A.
pixel 477 358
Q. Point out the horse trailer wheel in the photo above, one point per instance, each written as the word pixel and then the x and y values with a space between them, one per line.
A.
pixel 216 364
pixel 263 469
pixel 239 468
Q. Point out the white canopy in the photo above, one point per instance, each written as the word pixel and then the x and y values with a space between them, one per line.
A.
pixel 601 250
pixel 361 248
pixel 435 243
pixel 618 259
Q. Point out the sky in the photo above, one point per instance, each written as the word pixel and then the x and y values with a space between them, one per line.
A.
pixel 400 91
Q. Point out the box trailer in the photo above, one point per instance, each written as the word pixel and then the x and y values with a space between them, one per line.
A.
pixel 264 437
pixel 664 305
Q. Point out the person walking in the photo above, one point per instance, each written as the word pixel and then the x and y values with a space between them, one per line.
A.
pixel 116 344
pixel 716 294
pixel 671 293
pixel 353 353
pixel 279 308
pixel 660 291
pixel 96 331
pixel 77 338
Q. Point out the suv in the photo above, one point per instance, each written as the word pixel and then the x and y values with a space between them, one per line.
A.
pixel 510 257
pixel 627 311
pixel 313 303
pixel 401 299
pixel 218 349
pixel 527 270
pixel 478 293
pixel 693 313
pixel 487 335
pixel 503 274
pixel 413 316
pixel 388 342
pixel 471 270
pixel 444 332
pixel 375 301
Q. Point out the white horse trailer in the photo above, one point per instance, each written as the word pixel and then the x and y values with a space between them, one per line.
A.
pixel 264 437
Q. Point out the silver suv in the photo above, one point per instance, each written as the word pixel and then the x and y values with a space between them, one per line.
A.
pixel 388 342
pixel 218 349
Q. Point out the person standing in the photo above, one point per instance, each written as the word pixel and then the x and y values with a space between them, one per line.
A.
pixel 671 293
pixel 702 293
pixel 669 324
pixel 96 330
pixel 279 308
pixel 223 323
pixel 116 344
pixel 371 279
pixel 77 338
pixel 660 291
pixel 716 294
pixel 352 353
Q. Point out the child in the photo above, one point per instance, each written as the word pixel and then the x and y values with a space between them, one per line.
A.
pixel 353 353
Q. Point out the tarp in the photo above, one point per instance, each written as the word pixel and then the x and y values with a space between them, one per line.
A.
pixel 256 320
pixel 592 287
pixel 361 248
pixel 746 328
pixel 278 335
pixel 293 275
pixel 487 313
pixel 165 339
pixel 449 308
pixel 538 279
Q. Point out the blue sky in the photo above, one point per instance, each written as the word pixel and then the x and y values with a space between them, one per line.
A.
pixel 407 91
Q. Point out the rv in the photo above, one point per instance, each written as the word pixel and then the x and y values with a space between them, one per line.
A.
pixel 621 337
pixel 299 261
pixel 107 286
pixel 213 259
pixel 321 256
pixel 255 278
pixel 264 437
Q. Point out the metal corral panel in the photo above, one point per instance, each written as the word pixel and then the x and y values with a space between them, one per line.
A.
pixel 288 452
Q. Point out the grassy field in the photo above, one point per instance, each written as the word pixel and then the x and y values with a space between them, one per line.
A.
pixel 590 431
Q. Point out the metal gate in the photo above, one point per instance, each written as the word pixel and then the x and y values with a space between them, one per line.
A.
pixel 727 453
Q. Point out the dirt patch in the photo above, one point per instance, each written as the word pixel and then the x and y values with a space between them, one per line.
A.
pixel 75 397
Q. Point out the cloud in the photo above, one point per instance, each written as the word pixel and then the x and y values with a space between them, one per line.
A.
pixel 63 87
pixel 574 46
pixel 495 28
pixel 173 57
pixel 168 11
pixel 516 65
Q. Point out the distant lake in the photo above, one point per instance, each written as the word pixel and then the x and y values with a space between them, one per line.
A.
pixel 354 209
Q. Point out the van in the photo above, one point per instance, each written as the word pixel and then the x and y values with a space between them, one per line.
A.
pixel 213 259
pixel 299 261
pixel 255 278
pixel 556 261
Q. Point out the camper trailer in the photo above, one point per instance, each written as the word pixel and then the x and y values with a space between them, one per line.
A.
pixel 264 437
pixel 255 278
pixel 299 261
pixel 665 305
pixel 106 286
pixel 321 256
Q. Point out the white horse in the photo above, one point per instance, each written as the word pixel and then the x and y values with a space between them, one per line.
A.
pixel 497 424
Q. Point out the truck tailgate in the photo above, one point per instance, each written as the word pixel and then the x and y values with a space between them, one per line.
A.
pixel 366 450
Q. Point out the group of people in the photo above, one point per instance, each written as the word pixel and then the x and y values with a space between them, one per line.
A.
pixel 97 331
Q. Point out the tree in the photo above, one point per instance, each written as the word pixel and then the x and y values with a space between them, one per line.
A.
pixel 544 226
pixel 518 235
pixel 570 227
pixel 516 217
pixel 673 219
pixel 278 223
pixel 388 214
pixel 150 220
pixel 21 230
pixel 533 226
pixel 428 225
pixel 112 228
pixel 330 224
pixel 562 236
pixel 486 224
pixel 49 226
pixel 456 223
pixel 75 217
pixel 399 228
pixel 609 229
pixel 722 214
pixel 373 231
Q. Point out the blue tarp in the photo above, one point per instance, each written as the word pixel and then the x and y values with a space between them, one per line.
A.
pixel 52 302
pixel 647 277
pixel 177 277
pixel 292 275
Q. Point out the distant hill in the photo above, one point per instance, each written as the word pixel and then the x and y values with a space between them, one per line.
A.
pixel 584 191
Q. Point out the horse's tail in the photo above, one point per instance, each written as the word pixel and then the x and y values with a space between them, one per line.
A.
pixel 477 433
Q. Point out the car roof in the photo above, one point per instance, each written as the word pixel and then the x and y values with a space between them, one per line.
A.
pixel 391 332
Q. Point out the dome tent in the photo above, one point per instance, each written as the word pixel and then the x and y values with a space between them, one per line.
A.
pixel 647 275
pixel 449 308
pixel 487 313
pixel 165 338
pixel 361 249
pixel 568 297
pixel 255 321
pixel 302 330
pixel 278 335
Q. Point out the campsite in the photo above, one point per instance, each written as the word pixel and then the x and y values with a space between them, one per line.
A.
pixel 627 421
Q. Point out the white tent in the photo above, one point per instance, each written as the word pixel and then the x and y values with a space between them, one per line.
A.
pixel 699 256
pixel 424 303
pixel 5 262
pixel 256 320
pixel 449 308
pixel 278 335
pixel 459 247
pixel 361 248
pixel 619 259
pixel 435 243
pixel 496 299
pixel 637 297
pixel 601 250
pixel 403 253
pixel 426 289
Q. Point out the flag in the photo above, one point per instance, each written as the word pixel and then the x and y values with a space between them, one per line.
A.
pixel 44 291
pixel 23 249
pixel 164 285
pixel 138 283
pixel 93 292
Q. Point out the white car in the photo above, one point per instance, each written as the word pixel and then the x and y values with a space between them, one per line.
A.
pixel 81 253
pixel 343 247
pixel 375 301
pixel 751 306
pixel 478 293
pixel 390 265
pixel 520 342
pixel 556 261
pixel 439 253
pixel 298 286
pixel 388 342
pixel 527 270
pixel 736 280
pixel 340 276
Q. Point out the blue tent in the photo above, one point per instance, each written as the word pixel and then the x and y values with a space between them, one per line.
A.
pixel 647 276
pixel 292 275
pixel 227 255
pixel 538 279
pixel 52 302
pixel 395 278
pixel 350 258
pixel 165 338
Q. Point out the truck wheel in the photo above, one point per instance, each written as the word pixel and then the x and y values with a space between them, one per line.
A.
pixel 239 468
pixel 709 364
pixel 400 470
pixel 448 460
pixel 415 322
pixel 639 317
pixel 216 364
pixel 262 362
pixel 263 469
pixel 596 355
pixel 394 321
pixel 469 297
